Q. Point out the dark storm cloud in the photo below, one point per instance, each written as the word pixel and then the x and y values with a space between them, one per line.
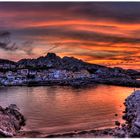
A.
pixel 128 12
pixel 5 42
pixel 118 11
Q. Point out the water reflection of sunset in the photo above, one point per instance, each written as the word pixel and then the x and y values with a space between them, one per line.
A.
pixel 103 33
pixel 65 108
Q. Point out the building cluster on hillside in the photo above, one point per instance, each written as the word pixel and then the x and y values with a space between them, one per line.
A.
pixel 52 67
pixel 22 76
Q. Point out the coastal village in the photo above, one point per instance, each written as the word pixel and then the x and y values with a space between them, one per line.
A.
pixel 53 68
pixel 21 77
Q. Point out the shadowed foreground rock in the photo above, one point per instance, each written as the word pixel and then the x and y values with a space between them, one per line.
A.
pixel 11 121
pixel 132 114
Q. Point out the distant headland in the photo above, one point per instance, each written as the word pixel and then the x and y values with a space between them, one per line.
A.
pixel 67 71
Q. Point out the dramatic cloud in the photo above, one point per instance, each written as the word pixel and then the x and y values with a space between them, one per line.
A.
pixel 98 32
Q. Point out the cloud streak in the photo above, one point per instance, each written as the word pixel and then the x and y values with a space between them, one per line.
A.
pixel 98 32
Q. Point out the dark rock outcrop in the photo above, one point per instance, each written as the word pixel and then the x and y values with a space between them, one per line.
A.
pixel 11 121
pixel 132 114
pixel 51 60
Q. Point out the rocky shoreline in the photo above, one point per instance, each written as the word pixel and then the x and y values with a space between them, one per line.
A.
pixel 129 129
pixel 80 82
pixel 85 82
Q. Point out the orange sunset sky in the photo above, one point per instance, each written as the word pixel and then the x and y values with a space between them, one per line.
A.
pixel 106 33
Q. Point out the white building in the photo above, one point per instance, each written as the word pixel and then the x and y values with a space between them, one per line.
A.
pixel 23 71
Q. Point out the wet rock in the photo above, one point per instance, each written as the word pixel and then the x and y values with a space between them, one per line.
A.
pixel 132 114
pixel 117 123
pixel 120 134
pixel 137 124
pixel 116 114
pixel 11 121
pixel 123 125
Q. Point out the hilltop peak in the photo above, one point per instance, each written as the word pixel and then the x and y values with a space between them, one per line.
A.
pixel 51 55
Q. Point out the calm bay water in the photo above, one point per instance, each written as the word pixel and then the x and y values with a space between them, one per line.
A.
pixel 58 109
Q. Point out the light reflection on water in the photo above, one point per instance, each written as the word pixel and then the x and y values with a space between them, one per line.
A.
pixel 63 108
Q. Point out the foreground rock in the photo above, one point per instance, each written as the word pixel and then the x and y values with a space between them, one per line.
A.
pixel 11 121
pixel 132 114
